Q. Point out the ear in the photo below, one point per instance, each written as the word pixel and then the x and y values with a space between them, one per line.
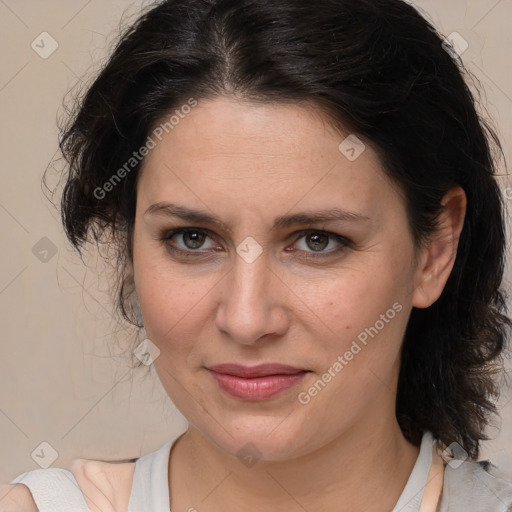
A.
pixel 438 257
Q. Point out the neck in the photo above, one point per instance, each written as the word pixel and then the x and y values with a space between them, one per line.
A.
pixel 362 469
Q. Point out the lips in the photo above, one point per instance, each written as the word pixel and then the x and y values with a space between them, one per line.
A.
pixel 257 382
pixel 261 370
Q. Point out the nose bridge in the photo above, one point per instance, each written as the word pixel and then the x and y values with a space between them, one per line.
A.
pixel 248 308
pixel 250 273
pixel 249 281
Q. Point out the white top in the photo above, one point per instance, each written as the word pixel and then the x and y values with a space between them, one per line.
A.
pixel 468 486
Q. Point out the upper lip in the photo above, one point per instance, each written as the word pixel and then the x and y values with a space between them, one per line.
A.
pixel 255 371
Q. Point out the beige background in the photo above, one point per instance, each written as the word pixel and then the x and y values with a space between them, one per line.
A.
pixel 61 381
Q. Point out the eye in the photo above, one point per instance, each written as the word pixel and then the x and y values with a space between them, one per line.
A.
pixel 316 242
pixel 191 242
pixel 191 239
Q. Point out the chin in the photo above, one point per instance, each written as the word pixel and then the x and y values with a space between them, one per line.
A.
pixel 263 438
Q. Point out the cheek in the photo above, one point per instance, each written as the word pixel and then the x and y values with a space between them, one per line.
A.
pixel 366 314
pixel 352 298
pixel 166 298
pixel 168 303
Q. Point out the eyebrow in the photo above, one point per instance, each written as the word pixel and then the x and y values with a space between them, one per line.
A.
pixel 284 221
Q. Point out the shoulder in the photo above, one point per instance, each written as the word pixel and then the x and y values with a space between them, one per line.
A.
pixel 476 486
pixel 105 485
pixel 16 498
pixel 89 484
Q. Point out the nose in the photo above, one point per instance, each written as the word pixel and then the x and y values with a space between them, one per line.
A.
pixel 252 305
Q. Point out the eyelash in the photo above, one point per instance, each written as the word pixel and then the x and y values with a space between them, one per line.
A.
pixel 166 237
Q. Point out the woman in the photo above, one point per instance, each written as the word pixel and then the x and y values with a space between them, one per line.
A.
pixel 303 201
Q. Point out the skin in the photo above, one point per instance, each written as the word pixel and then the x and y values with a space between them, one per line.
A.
pixel 248 164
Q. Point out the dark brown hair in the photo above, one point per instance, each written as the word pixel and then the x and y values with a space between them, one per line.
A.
pixel 379 69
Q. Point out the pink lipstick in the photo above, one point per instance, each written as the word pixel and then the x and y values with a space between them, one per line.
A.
pixel 257 382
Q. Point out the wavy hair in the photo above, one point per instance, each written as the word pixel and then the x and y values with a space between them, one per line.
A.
pixel 375 67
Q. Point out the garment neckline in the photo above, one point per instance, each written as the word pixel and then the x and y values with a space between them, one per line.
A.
pixel 150 488
pixel 410 499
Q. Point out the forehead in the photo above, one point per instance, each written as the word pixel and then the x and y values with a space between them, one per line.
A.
pixel 249 153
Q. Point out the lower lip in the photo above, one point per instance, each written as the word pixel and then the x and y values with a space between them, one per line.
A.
pixel 256 388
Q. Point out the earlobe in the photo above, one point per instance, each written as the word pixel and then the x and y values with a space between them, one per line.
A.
pixel 438 257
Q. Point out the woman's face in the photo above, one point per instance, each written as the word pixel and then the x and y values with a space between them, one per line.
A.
pixel 330 298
